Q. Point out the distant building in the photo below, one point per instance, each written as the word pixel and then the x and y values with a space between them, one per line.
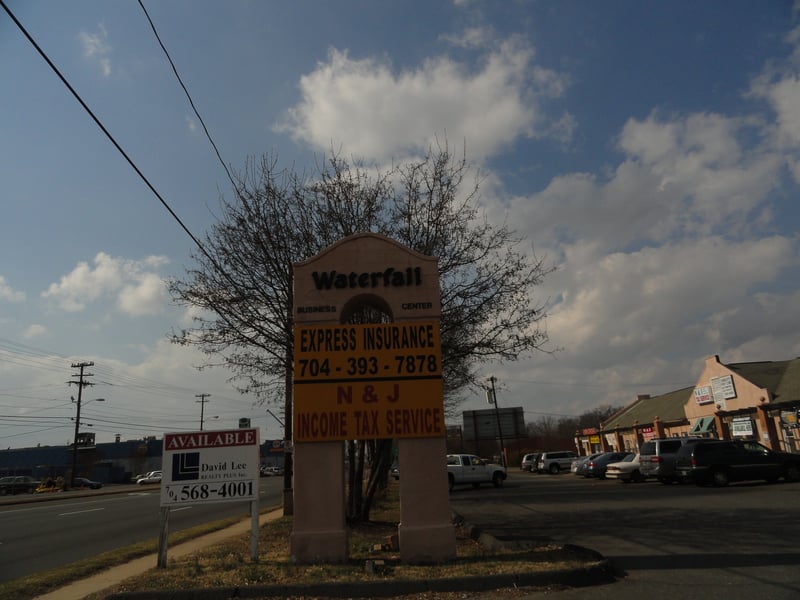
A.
pixel 112 462
pixel 757 401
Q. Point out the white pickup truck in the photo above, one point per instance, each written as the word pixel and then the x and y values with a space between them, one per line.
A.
pixel 468 468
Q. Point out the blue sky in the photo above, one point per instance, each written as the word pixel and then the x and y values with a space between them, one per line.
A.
pixel 650 150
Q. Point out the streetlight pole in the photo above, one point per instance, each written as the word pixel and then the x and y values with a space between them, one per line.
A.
pixel 493 400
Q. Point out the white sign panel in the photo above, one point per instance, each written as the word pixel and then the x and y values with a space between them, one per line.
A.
pixel 210 466
pixel 742 427
pixel 702 395
pixel 723 389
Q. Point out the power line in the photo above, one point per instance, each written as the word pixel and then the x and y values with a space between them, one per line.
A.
pixel 104 130
pixel 598 385
pixel 188 96
pixel 220 313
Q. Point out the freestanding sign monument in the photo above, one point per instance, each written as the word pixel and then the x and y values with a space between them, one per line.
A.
pixel 368 382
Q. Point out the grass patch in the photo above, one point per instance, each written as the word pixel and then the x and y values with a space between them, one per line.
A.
pixel 228 564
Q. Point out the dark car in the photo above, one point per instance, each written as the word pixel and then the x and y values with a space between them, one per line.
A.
pixel 580 464
pixel 657 457
pixel 596 467
pixel 83 482
pixel 721 462
pixel 18 484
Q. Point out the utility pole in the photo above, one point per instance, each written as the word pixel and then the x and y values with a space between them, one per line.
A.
pixel 81 384
pixel 202 402
pixel 493 400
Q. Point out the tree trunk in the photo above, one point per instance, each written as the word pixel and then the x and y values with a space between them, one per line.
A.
pixel 379 474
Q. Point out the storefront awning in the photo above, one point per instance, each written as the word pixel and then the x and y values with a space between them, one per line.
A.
pixel 703 425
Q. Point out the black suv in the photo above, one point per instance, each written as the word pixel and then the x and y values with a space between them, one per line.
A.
pixel 720 462
pixel 657 457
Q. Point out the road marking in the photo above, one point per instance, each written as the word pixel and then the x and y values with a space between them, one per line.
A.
pixel 79 512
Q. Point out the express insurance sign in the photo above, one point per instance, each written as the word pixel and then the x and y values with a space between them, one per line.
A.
pixel 210 466
pixel 368 381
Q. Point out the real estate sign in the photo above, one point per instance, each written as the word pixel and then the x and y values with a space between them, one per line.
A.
pixel 210 466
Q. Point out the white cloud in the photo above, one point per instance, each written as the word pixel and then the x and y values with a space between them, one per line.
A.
pixel 8 293
pixel 785 98
pixel 136 285
pixel 96 47
pixel 377 113
pixel 629 301
pixel 659 259
pixel 146 296
pixel 681 178
pixel 191 313
pixel 34 330
pixel 471 37
pixel 779 85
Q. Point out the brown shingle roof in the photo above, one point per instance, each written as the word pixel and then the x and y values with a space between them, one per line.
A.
pixel 667 407
pixel 781 378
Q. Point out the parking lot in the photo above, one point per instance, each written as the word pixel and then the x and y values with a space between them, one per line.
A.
pixel 671 541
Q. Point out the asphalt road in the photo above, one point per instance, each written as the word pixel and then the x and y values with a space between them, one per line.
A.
pixel 36 536
pixel 675 541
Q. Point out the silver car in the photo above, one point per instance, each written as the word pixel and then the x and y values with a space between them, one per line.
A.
pixel 555 462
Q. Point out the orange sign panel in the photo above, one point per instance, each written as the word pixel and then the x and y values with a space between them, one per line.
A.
pixel 368 381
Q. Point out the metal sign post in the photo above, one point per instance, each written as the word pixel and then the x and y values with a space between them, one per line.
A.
pixel 163 533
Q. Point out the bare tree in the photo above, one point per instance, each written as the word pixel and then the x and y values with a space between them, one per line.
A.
pixel 242 283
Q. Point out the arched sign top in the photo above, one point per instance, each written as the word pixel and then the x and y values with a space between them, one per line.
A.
pixel 363 266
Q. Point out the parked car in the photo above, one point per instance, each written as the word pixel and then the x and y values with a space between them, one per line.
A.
pixel 626 470
pixel 151 477
pixel 83 482
pixel 657 457
pixel 721 462
pixel 468 468
pixel 578 466
pixel 271 471
pixel 18 484
pixel 555 462
pixel 530 462
pixel 596 467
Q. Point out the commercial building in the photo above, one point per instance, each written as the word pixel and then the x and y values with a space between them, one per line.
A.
pixel 755 401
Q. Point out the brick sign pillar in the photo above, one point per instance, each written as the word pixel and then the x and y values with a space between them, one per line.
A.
pixel 369 381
